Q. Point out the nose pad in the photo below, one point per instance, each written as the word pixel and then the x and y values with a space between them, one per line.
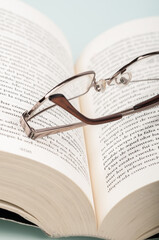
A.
pixel 100 86
pixel 123 79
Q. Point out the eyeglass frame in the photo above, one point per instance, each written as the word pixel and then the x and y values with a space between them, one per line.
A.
pixel 63 102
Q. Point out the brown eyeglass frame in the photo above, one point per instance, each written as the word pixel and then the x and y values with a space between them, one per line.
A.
pixel 63 102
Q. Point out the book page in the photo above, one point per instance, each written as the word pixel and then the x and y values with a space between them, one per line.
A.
pixel 123 155
pixel 34 57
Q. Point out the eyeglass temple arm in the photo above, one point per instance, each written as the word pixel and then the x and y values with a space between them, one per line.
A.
pixel 39 133
pixel 150 102
pixel 60 100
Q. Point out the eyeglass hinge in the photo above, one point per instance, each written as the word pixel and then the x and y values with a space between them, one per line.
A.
pixel 30 132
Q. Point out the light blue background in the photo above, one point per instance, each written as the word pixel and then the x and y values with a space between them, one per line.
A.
pixel 81 21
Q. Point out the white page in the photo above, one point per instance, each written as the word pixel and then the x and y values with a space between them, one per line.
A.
pixel 109 158
pixel 34 57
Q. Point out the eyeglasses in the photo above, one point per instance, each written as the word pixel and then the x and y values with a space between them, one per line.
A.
pixel 142 69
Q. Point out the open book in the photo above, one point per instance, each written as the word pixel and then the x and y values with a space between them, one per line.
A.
pixel 98 181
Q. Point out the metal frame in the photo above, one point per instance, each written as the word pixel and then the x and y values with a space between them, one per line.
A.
pixel 60 100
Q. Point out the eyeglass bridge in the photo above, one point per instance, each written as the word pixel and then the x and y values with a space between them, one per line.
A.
pixel 121 79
